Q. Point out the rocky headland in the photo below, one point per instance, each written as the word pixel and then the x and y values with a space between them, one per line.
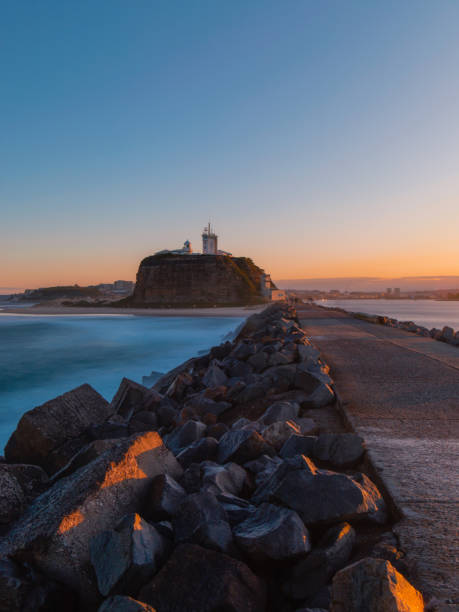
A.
pixel 232 484
pixel 196 280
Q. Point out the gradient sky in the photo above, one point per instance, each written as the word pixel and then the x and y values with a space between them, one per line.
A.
pixel 320 136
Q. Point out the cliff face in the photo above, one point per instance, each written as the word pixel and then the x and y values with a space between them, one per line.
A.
pixel 189 280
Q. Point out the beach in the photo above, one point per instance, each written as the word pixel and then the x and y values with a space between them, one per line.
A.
pixel 230 311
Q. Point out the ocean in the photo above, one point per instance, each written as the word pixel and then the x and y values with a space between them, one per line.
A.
pixel 429 313
pixel 42 356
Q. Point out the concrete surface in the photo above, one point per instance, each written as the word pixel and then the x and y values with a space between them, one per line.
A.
pixel 400 392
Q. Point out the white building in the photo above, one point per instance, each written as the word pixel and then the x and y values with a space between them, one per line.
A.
pixel 209 241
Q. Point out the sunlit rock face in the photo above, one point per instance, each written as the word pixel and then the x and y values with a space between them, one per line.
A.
pixel 55 531
pixel 197 280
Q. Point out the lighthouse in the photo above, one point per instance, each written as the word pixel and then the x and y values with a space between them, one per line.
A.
pixel 209 241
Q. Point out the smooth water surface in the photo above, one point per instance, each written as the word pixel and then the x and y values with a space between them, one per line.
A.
pixel 43 356
pixel 429 313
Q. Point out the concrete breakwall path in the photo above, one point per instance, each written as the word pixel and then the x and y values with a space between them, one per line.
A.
pixel 400 392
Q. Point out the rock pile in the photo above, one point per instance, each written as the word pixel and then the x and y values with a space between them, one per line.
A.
pixel 446 334
pixel 214 490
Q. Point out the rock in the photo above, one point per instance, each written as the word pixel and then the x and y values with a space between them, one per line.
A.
pixel 374 584
pixel 280 378
pixel 179 386
pixel 311 574
pixel 87 454
pixel 251 392
pixel 126 557
pixel 221 350
pixel 201 520
pixel 32 479
pixel 263 467
pixel 280 411
pixel 12 499
pixel 200 405
pixel 308 352
pixel 164 498
pixel 122 603
pixel 166 413
pixel 277 433
pixel 216 431
pixel 201 450
pixel 298 445
pixel 273 534
pixel 339 448
pixel 239 369
pixel 107 431
pixel 143 421
pixel 132 397
pixel 214 376
pixel 447 333
pixel 237 509
pixel 229 478
pixel 23 589
pixel 57 527
pixel 243 350
pixel 321 397
pixel 240 446
pixel 204 581
pixel 322 496
pixel 46 427
pixel 185 435
pixel 306 381
pixel 259 361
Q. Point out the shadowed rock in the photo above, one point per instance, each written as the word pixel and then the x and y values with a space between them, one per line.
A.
pixel 121 603
pixel 55 531
pixel 46 427
pixel 240 446
pixel 132 397
pixel 12 498
pixel 280 411
pixel 273 533
pixel 298 445
pixel 339 448
pixel 374 584
pixel 185 435
pixel 202 520
pixel 201 450
pixel 311 574
pixel 126 557
pixel 204 581
pixel 164 498
pixel 322 496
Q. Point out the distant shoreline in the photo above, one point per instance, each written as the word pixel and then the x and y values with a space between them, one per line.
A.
pixel 224 311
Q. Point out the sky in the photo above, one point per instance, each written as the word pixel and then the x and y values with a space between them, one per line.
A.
pixel 320 137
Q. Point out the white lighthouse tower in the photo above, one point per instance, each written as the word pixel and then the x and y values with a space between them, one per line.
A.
pixel 209 241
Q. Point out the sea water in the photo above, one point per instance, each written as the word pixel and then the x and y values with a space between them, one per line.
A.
pixel 429 313
pixel 42 356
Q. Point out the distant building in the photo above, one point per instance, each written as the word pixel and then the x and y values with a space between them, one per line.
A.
pixel 209 241
pixel 278 295
pixel 266 284
pixel 123 285
pixel 185 250
pixel 397 291
pixel 388 291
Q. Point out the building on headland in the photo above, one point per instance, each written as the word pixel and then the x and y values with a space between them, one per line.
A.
pixel 209 241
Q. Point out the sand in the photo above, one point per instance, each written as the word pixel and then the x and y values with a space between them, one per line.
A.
pixel 236 311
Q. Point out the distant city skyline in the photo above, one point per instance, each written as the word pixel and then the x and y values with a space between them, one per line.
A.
pixel 321 138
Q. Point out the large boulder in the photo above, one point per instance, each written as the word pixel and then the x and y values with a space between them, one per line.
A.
pixel 185 435
pixel 374 584
pixel 272 533
pixel 55 531
pixel 298 445
pixel 126 557
pixel 198 580
pixel 322 496
pixel 45 428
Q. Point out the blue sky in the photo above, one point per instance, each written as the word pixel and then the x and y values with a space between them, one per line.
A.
pixel 321 137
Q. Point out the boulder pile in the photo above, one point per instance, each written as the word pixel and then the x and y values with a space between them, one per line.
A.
pixel 446 334
pixel 216 489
